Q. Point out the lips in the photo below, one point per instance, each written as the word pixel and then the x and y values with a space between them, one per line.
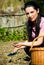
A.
pixel 31 19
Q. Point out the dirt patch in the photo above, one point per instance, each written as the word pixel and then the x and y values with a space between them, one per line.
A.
pixel 19 59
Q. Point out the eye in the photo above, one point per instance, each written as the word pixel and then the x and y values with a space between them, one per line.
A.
pixel 27 13
pixel 32 12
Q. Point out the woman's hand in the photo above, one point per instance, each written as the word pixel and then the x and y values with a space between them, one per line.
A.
pixel 18 44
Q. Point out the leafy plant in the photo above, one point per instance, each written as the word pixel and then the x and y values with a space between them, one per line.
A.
pixel 18 34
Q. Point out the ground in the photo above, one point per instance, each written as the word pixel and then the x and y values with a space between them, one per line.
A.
pixel 19 59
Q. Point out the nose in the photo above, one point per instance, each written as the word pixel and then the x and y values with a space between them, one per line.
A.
pixel 29 15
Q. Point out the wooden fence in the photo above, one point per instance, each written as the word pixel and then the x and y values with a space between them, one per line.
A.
pixel 12 20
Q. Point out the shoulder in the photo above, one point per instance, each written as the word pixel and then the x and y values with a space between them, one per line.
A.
pixel 42 18
pixel 42 23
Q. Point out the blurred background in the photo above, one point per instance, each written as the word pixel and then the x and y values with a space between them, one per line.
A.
pixel 13 19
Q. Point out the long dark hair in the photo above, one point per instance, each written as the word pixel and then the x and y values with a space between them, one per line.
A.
pixel 29 26
pixel 33 4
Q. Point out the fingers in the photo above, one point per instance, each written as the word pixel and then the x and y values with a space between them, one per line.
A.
pixel 17 45
pixel 14 44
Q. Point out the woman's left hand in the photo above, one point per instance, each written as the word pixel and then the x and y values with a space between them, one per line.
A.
pixel 18 44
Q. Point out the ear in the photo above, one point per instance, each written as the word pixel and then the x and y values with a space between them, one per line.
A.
pixel 38 10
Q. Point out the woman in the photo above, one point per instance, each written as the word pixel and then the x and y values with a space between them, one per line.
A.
pixel 35 27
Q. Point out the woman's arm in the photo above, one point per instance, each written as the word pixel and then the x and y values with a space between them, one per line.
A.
pixel 36 43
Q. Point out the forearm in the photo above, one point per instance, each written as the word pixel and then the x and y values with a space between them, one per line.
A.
pixel 26 43
pixel 35 43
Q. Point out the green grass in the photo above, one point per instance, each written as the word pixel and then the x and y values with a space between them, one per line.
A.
pixel 18 59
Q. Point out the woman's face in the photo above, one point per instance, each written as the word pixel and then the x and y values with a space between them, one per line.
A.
pixel 31 13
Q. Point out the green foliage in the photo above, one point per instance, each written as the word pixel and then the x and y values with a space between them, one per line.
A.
pixel 6 34
pixel 41 4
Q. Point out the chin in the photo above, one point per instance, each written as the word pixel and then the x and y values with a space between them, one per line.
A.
pixel 32 20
